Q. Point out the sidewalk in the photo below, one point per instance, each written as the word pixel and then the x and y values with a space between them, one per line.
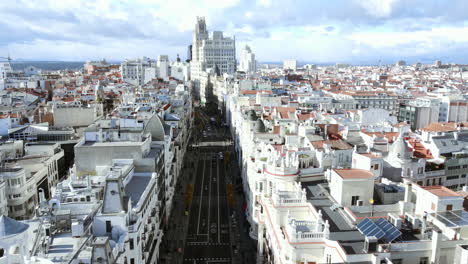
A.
pixel 174 238
pixel 247 247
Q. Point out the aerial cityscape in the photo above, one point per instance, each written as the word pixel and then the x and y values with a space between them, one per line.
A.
pixel 230 132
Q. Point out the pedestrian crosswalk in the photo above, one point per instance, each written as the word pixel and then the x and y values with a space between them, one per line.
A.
pixel 206 244
pixel 208 259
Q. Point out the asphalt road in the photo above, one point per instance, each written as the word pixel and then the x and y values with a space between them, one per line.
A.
pixel 208 236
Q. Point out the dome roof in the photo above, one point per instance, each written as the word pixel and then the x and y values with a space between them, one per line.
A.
pixel 155 126
pixel 251 115
pixel 401 149
pixel 259 126
pixel 10 226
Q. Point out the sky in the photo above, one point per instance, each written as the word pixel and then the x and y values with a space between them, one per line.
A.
pixel 316 31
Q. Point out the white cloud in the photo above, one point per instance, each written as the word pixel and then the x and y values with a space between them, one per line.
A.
pixel 220 3
pixel 265 3
pixel 383 39
pixel 378 8
pixel 310 30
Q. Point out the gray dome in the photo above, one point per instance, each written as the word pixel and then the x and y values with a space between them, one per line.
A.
pixel 10 226
pixel 401 149
pixel 259 126
pixel 155 126
pixel 251 115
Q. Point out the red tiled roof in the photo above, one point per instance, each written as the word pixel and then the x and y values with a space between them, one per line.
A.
pixel 444 127
pixel 335 144
pixel 441 191
pixel 303 117
pixel 354 173
pixel 419 151
pixel 245 92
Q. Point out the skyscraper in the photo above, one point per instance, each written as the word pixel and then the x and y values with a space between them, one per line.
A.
pixel 248 64
pixel 214 53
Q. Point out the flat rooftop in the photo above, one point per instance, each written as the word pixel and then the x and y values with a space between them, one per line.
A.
pixel 136 187
pixel 63 245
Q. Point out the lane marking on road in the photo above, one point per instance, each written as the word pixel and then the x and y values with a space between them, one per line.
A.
pixel 201 197
pixel 217 184
pixel 206 244
pixel 209 199
pixel 208 259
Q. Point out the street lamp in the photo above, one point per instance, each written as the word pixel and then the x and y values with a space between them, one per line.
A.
pixel 371 201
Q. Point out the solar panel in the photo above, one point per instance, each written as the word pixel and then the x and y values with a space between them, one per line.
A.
pixel 369 228
pixel 391 232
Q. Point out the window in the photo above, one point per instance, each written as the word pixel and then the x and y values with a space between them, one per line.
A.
pixel 463 176
pixel 433 207
pixel 132 261
pixel 108 226
pixel 131 243
pixel 376 166
pixel 449 207
pixel 452 177
pixel 354 200
pixel 424 260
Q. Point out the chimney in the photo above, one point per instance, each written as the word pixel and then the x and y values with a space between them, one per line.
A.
pixel 408 191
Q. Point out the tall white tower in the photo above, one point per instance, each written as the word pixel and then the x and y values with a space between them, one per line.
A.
pixel 215 54
pixel 248 64
pixel 199 35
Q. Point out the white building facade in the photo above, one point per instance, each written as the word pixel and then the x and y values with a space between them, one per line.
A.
pixel 248 64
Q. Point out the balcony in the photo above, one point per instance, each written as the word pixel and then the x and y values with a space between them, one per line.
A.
pixel 429 174
pixel 290 195
pixel 307 231
pixel 285 198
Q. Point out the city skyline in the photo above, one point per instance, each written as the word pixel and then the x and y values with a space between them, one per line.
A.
pixel 361 32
